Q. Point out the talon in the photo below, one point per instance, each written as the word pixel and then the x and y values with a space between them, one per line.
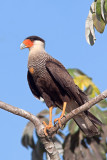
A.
pixel 47 127
pixel 59 121
pixel 44 123
pixel 45 132
pixel 55 120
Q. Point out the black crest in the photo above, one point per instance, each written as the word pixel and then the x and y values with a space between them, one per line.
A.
pixel 33 38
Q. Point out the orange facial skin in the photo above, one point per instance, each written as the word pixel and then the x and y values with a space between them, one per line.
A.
pixel 28 43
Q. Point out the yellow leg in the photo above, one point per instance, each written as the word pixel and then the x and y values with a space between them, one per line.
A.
pixel 63 112
pixel 50 121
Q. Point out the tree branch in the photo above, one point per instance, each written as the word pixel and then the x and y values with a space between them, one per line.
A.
pixel 49 145
pixel 46 141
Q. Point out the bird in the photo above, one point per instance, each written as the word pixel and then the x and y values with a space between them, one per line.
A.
pixel 49 79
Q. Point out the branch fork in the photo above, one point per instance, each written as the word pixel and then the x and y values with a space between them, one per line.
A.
pixel 47 141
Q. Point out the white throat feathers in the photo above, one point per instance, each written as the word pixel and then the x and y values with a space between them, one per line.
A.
pixel 37 45
pixel 37 48
pixel 36 52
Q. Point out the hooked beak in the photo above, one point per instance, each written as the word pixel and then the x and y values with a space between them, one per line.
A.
pixel 22 46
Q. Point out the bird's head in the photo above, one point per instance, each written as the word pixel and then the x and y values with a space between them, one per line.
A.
pixel 31 41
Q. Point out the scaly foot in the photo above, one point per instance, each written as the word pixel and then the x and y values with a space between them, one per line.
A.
pixel 47 127
pixel 63 112
pixel 59 121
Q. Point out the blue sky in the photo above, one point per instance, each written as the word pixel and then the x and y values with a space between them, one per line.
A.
pixel 62 25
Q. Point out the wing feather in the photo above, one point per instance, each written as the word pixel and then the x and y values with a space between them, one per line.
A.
pixel 61 75
pixel 33 86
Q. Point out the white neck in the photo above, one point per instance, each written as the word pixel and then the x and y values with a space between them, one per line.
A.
pixel 37 49
pixel 38 45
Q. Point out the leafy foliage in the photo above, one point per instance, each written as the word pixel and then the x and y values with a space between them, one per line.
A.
pixel 83 82
pixel 97 19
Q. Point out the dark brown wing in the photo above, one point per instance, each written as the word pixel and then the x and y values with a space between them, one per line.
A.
pixel 33 86
pixel 60 74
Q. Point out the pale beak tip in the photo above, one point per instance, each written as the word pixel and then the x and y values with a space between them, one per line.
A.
pixel 22 46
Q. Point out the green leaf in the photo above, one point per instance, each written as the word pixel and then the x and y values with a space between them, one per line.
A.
pixel 84 82
pixel 102 9
pixel 71 72
pixel 99 23
pixel 98 8
pixel 98 20
pixel 105 6
pixel 105 13
pixel 75 72
pixel 103 103
pixel 99 114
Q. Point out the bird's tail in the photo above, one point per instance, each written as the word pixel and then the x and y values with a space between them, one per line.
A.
pixel 86 121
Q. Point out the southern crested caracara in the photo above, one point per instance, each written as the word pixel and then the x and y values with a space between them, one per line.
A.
pixel 49 79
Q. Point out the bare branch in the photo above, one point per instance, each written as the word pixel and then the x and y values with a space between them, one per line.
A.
pixel 49 145
pixel 76 111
